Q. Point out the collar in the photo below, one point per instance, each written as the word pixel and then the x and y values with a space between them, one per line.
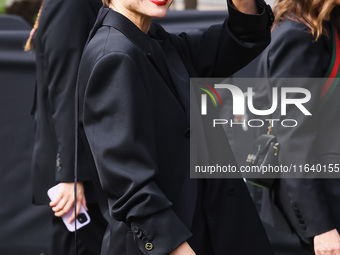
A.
pixel 128 28
pixel 143 41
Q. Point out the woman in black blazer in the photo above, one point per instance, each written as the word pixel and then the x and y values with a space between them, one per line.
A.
pixel 134 125
pixel 302 47
pixel 58 48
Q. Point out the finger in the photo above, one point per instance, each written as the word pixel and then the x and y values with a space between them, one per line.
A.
pixel 56 200
pixel 323 252
pixel 78 207
pixel 318 252
pixel 64 210
pixel 60 205
pixel 83 202
pixel 72 218
pixel 67 207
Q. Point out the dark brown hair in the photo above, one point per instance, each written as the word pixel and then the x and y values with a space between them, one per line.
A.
pixel 312 13
pixel 106 2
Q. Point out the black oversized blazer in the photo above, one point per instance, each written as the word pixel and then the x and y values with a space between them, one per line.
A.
pixel 58 47
pixel 134 125
pixel 311 206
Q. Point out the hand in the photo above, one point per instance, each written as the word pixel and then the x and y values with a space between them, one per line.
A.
pixel 327 243
pixel 183 249
pixel 65 200
pixel 245 6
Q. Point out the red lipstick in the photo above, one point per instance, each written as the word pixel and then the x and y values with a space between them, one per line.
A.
pixel 159 2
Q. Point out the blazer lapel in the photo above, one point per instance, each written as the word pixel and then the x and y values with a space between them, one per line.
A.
pixel 151 47
pixel 129 29
pixel 100 18
pixel 173 66
pixel 179 75
pixel 159 59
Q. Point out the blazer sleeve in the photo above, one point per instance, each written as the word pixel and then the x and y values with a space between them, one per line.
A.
pixel 118 124
pixel 63 40
pixel 224 49
pixel 294 54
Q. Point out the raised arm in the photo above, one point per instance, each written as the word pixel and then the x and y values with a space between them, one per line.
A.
pixel 246 6
pixel 224 49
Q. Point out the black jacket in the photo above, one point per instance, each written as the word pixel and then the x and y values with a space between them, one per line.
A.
pixel 134 124
pixel 58 42
pixel 311 206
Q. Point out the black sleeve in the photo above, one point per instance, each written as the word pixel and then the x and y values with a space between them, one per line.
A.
pixel 118 124
pixel 224 49
pixel 294 53
pixel 68 25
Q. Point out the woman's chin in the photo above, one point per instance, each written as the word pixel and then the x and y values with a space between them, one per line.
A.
pixel 159 14
pixel 158 10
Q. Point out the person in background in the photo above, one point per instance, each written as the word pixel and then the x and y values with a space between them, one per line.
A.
pixel 304 42
pixel 58 37
pixel 134 126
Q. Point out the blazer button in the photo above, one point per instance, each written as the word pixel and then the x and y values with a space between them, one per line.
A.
pixel 299 215
pixel 303 227
pixel 301 221
pixel 187 132
pixel 148 246
pixel 58 165
pixel 139 234
pixel 135 229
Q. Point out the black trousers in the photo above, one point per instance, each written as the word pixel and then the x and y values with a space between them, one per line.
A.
pixel 89 238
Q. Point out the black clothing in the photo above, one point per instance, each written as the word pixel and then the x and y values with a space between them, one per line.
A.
pixel 63 29
pixel 89 238
pixel 58 42
pixel 133 116
pixel 310 205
